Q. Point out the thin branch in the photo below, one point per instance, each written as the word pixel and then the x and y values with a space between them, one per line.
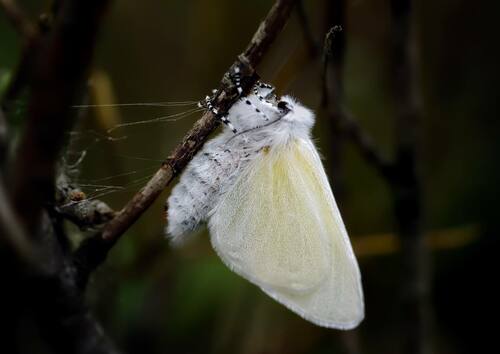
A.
pixel 64 319
pixel 344 122
pixel 26 29
pixel 350 126
pixel 302 56
pixel 94 250
pixel 18 255
pixel 406 185
pixel 21 77
pixel 30 41
pixel 16 248
pixel 267 32
pixel 59 306
pixel 71 204
pixel 331 39
pixel 332 87
pixel 3 140
pixel 58 77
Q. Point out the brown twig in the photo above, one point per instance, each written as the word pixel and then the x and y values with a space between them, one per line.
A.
pixel 58 305
pixel 333 53
pixel 18 19
pixel 17 255
pixel 15 247
pixel 332 91
pixel 415 272
pixel 64 319
pixel 54 67
pixel 94 250
pixel 344 124
pixel 401 174
pixel 58 77
pixel 351 128
pixel 267 32
pixel 71 204
pixel 30 40
pixel 332 100
pixel 3 140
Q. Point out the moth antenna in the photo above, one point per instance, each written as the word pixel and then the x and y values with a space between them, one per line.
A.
pixel 252 129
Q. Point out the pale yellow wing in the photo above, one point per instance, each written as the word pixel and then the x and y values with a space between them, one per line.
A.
pixel 280 228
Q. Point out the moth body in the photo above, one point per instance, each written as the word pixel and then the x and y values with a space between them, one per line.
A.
pixel 216 166
pixel 261 187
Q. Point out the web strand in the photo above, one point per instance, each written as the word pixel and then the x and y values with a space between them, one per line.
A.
pixel 169 118
pixel 139 104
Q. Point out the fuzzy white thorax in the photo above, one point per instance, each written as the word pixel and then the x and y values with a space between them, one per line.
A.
pixel 271 120
pixel 261 120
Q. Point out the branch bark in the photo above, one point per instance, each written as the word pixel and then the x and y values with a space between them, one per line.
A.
pixel 332 101
pixel 401 174
pixel 94 250
pixel 18 19
pixel 30 36
pixel 71 204
pixel 350 127
pixel 58 306
pixel 17 255
pixel 59 61
pixel 57 80
pixel 344 124
pixel 16 249
pixel 3 139
pixel 406 188
pixel 332 88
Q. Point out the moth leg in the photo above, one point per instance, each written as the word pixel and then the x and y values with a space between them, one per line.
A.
pixel 236 77
pixel 223 117
pixel 208 102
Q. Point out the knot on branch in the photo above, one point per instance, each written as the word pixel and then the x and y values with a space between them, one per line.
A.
pixel 71 203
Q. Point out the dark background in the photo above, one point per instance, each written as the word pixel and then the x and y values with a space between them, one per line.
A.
pixel 152 298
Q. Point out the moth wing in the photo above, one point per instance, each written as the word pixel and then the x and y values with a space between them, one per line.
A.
pixel 280 228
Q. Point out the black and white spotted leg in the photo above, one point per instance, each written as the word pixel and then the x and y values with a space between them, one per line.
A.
pixel 259 96
pixel 236 77
pixel 222 117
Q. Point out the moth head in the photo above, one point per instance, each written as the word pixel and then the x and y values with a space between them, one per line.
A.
pixel 263 108
pixel 295 114
pixel 257 109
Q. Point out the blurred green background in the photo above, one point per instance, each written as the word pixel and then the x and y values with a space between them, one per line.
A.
pixel 153 298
